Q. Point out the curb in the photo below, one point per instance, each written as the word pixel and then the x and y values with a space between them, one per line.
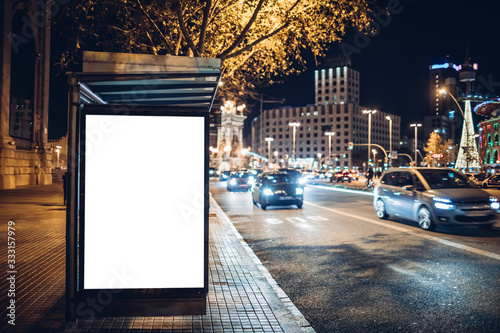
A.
pixel 297 315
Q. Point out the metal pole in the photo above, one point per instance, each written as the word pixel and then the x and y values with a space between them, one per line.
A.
pixel 71 192
pixel 330 149
pixel 415 145
pixel 390 140
pixel 369 135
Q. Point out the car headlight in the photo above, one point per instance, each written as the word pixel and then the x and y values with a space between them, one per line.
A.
pixel 443 203
pixel 494 204
pixel 232 182
pixel 267 191
pixel 299 190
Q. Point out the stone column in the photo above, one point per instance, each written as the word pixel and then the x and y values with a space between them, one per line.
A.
pixel 7 147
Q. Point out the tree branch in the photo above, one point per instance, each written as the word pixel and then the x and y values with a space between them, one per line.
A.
pixel 245 29
pixel 184 30
pixel 203 30
pixel 169 48
pixel 249 46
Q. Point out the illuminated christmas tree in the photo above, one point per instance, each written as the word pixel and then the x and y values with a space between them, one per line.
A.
pixel 468 157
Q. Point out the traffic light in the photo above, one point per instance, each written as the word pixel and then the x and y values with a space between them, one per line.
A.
pixel 351 145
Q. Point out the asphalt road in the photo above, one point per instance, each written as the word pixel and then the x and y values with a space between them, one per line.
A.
pixel 348 271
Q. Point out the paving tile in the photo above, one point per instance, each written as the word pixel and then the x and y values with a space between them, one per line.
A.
pixel 238 299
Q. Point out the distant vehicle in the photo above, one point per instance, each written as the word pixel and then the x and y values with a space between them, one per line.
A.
pixel 277 189
pixel 491 182
pixel 224 175
pixel 213 172
pixel 240 181
pixel 344 176
pixel 476 178
pixel 433 196
pixel 309 176
pixel 256 172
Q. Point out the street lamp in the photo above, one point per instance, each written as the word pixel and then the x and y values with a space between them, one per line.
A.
pixel 330 134
pixel 294 125
pixel 390 138
pixel 369 113
pixel 416 126
pixel 269 140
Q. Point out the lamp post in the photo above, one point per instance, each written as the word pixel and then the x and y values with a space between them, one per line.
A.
pixel 330 134
pixel 416 126
pixel 390 138
pixel 374 151
pixel 369 113
pixel 269 140
pixel 294 125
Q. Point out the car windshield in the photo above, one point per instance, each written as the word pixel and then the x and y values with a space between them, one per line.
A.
pixel 444 179
pixel 278 178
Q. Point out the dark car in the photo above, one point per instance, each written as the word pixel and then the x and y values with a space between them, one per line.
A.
pixel 277 189
pixel 240 181
pixel 294 173
pixel 433 196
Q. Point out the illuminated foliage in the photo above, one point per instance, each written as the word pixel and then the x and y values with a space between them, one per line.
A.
pixel 436 145
pixel 257 40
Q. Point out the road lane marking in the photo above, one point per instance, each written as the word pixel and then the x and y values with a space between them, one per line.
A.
pixel 329 188
pixel 428 237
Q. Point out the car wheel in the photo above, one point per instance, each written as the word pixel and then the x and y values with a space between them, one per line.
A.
pixel 381 212
pixel 485 185
pixel 299 205
pixel 263 206
pixel 425 219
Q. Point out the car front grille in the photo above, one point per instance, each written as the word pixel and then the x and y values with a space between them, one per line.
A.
pixel 469 219
pixel 472 202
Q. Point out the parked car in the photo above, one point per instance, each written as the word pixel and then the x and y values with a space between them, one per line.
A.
pixel 432 196
pixel 240 181
pixel 277 189
pixel 491 182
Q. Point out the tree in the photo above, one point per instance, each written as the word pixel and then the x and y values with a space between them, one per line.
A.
pixel 258 41
pixel 436 145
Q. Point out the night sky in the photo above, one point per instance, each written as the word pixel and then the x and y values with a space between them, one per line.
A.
pixel 394 64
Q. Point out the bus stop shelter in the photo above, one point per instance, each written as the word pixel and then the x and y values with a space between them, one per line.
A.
pixel 138 156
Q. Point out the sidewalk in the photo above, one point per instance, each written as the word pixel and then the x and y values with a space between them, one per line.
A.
pixel 242 297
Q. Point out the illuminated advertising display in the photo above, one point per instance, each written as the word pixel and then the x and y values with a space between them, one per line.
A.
pixel 143 204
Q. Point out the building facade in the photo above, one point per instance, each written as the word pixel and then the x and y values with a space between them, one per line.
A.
pixel 337 113
pixel 348 123
pixel 25 155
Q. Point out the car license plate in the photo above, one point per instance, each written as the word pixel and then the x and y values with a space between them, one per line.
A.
pixel 477 213
pixel 285 198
